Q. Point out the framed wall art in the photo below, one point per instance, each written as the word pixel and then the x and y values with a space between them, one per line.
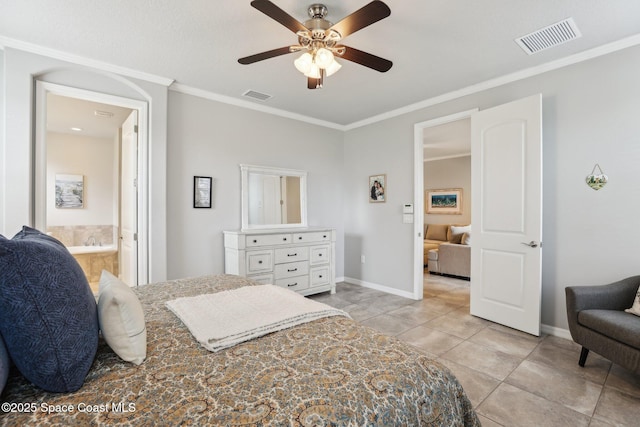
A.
pixel 378 188
pixel 202 191
pixel 444 201
pixel 69 191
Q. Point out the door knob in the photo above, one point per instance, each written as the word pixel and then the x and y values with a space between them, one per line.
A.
pixel 531 244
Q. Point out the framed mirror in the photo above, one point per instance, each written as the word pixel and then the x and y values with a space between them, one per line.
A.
pixel 273 197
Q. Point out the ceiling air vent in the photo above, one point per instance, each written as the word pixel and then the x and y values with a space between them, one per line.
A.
pixel 256 95
pixel 550 36
pixel 103 114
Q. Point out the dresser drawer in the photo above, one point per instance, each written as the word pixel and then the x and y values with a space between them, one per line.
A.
pixel 294 283
pixel 300 253
pixel 259 261
pixel 267 239
pixel 319 254
pixel 291 269
pixel 265 279
pixel 319 276
pixel 315 236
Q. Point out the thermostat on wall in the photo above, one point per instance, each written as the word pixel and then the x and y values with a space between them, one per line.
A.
pixel 407 208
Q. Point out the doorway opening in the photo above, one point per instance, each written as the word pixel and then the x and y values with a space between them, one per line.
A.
pixel 100 141
pixel 506 172
pixel 444 138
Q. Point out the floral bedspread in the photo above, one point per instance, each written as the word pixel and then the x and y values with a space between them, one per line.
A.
pixel 331 371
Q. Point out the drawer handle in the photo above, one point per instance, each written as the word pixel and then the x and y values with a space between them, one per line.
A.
pixel 292 254
pixel 292 270
pixel 255 241
pixel 260 262
pixel 292 284
pixel 284 238
pixel 324 236
pixel 299 237
pixel 320 276
pixel 319 254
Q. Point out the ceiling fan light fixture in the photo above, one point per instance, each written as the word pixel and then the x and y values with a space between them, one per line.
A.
pixel 320 38
pixel 323 57
pixel 332 68
pixel 314 71
pixel 304 62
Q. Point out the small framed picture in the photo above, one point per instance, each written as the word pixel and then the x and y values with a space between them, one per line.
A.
pixel 444 201
pixel 69 191
pixel 377 188
pixel 202 191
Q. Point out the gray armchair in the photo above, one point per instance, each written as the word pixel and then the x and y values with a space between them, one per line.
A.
pixel 598 322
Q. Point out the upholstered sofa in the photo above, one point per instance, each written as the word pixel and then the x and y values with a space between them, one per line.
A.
pixel 455 259
pixel 598 321
pixel 452 259
pixel 434 236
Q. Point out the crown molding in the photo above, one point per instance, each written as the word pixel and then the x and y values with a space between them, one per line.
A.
pixel 499 81
pixel 453 156
pixel 469 90
pixel 189 90
pixel 81 60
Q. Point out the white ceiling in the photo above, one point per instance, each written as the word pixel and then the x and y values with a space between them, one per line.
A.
pixel 64 113
pixel 448 140
pixel 437 46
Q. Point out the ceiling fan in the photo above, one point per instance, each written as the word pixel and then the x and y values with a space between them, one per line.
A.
pixel 319 38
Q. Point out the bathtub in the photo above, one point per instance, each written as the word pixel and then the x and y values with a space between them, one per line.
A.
pixel 105 249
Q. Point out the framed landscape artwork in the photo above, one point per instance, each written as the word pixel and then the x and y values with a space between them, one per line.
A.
pixel 444 201
pixel 377 188
pixel 69 191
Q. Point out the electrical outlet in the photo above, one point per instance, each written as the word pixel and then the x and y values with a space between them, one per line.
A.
pixel 362 259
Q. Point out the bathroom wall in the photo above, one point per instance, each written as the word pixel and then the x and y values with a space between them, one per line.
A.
pixel 81 235
pixel 94 158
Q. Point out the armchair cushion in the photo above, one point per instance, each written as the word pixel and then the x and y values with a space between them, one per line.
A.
pixel 618 325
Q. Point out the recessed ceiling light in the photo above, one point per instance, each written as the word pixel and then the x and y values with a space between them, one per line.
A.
pixel 76 129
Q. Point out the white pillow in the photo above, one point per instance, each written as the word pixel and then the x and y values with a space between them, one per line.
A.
pixel 121 319
pixel 466 239
pixel 457 232
pixel 635 308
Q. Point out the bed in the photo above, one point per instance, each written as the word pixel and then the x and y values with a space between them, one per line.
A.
pixel 331 371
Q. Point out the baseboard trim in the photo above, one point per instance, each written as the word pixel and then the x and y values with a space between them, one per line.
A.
pixel 556 332
pixel 377 287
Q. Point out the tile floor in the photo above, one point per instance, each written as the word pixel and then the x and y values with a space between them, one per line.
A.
pixel 512 378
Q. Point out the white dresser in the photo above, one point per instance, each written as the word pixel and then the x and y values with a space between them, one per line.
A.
pixel 299 259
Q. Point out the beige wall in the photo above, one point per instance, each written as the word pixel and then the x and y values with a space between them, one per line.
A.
pixel 447 174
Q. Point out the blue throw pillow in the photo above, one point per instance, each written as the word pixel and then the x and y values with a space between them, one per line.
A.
pixel 48 314
pixel 5 364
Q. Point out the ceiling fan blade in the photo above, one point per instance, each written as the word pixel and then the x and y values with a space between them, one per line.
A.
pixel 265 55
pixel 363 17
pixel 277 14
pixel 366 59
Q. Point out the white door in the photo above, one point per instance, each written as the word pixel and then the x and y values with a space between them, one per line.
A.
pixel 506 176
pixel 129 201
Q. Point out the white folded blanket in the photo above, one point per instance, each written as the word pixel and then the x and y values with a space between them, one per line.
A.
pixel 224 319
